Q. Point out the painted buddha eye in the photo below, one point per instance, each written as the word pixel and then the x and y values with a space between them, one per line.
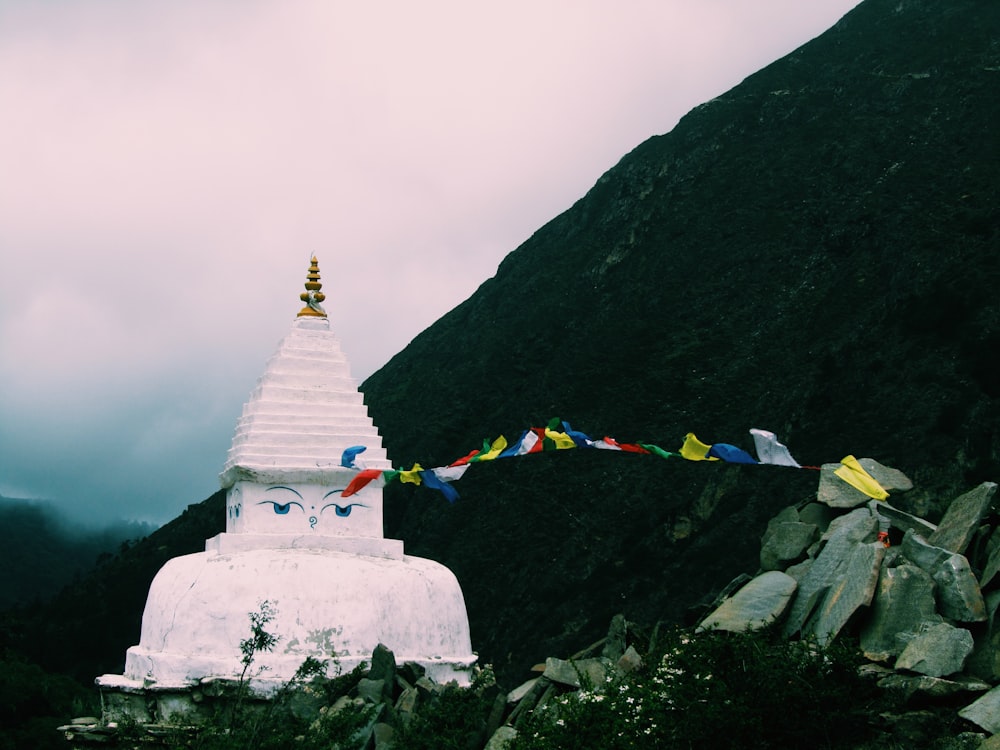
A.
pixel 343 511
pixel 281 509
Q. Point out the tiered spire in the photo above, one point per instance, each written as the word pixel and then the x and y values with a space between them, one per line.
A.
pixel 312 296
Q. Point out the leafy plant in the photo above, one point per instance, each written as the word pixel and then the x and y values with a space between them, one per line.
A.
pixel 744 691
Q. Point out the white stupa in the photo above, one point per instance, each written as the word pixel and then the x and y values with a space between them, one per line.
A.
pixel 338 588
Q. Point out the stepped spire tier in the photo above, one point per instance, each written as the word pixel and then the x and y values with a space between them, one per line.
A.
pixel 336 586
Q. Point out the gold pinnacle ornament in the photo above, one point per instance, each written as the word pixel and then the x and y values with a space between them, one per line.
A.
pixel 312 296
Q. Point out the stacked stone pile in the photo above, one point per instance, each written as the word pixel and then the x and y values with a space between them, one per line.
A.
pixel 921 598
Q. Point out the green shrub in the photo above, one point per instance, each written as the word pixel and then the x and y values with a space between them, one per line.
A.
pixel 741 691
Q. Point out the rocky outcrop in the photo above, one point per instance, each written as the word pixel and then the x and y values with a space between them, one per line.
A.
pixel 917 595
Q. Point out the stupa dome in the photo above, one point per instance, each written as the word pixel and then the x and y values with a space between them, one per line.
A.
pixel 336 586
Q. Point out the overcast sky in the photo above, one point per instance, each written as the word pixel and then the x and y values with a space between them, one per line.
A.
pixel 167 167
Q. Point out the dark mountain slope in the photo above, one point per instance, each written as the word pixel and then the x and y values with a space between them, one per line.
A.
pixel 814 252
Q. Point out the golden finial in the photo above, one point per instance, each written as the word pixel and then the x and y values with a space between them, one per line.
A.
pixel 312 296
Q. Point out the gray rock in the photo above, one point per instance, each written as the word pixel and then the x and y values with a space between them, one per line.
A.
pixel 918 551
pixel 759 603
pixel 992 559
pixel 891 480
pixel 786 544
pixel 370 690
pixel 931 687
pixel 798 572
pixel 501 739
pixel 593 672
pixel 785 515
pixel 902 520
pixel 984 712
pixel 853 589
pixel 938 650
pixel 515 695
pixel 835 492
pixel 614 645
pixel 903 603
pixel 383 734
pixel 818 514
pixel 629 661
pixel 406 704
pixel 383 665
pixel 985 659
pixel 844 534
pixel 958 593
pixel 962 518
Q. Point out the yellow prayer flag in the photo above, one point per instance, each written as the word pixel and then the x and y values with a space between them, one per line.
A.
pixel 561 439
pixel 852 473
pixel 695 450
pixel 498 445
pixel 412 476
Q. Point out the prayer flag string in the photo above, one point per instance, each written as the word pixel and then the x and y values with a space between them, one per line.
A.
pixel 559 435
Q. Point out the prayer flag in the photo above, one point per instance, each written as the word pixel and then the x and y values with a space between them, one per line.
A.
pixel 854 474
pixel 695 450
pixel 361 479
pixel 431 480
pixel 561 440
pixel 491 452
pixel 731 453
pixel 530 444
pixel 657 450
pixel 411 476
pixel 581 440
pixel 347 458
pixel 450 473
pixel 465 459
pixel 514 450
pixel 770 451
pixel 608 444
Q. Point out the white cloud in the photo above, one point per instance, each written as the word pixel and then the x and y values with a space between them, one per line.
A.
pixel 169 167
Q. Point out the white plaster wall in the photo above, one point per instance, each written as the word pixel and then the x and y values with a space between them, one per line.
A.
pixel 304 508
pixel 328 604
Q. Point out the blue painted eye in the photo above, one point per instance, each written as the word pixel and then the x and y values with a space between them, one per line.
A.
pixel 343 511
pixel 281 509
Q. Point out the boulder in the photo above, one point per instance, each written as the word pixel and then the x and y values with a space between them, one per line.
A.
pixel 931 687
pixel 985 659
pixel 501 739
pixel 577 673
pixel 759 603
pixel 844 534
pixel 958 594
pixel 891 480
pixel 787 544
pixel 837 493
pixel 938 650
pixel 901 519
pixel 992 555
pixel 818 514
pixel 853 588
pixel 962 518
pixel 985 711
pixel 902 605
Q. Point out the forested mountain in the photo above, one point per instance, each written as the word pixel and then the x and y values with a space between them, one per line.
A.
pixel 814 252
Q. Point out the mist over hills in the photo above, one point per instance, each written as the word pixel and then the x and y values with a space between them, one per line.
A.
pixel 813 252
pixel 41 550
